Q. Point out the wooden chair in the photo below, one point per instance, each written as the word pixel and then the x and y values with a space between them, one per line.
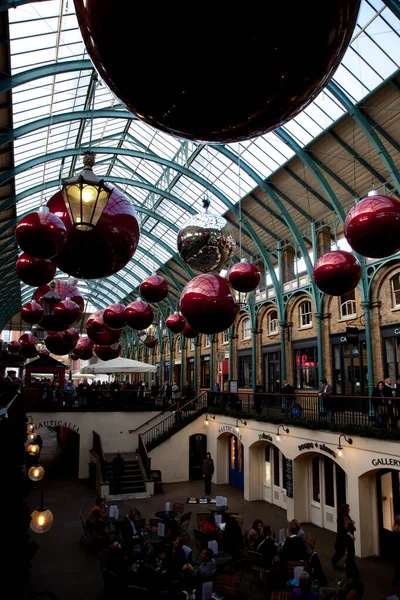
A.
pixel 87 534
pixel 353 595
pixel 103 558
pixel 281 596
pixel 142 524
pixel 202 518
pixel 226 585
pixel 291 566
pixel 178 507
pixel 310 539
pixel 201 541
pixel 184 525
pixel 154 524
pixel 255 562
pixel 239 519
pixel 238 568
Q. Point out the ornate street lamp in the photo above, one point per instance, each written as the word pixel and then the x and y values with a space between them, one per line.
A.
pixel 41 518
pixel 36 473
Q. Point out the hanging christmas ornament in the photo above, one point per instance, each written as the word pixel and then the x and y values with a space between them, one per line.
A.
pixel 337 273
pixel 75 355
pixel 372 226
pixel 207 304
pixel 13 347
pixel 108 352
pixel 67 288
pixel 139 315
pixel 44 352
pixel 149 336
pixel 84 349
pixel 41 234
pixel 32 312
pixel 205 242
pixel 102 226
pixel 27 343
pixel 98 331
pixel 50 296
pixel 71 335
pixel 114 316
pixel 175 323
pixel 34 271
pixel 59 343
pixel 189 332
pixel 291 48
pixel 244 277
pixel 67 312
pixel 154 288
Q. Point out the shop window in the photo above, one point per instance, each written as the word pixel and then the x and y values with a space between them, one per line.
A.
pixel 191 344
pixel 306 368
pixel 348 305
pixel 268 465
pixel 315 479
pixel 225 336
pixel 273 322
pixel 246 325
pixel 245 372
pixel 207 341
pixel 305 314
pixel 190 371
pixel 205 371
pixel 395 287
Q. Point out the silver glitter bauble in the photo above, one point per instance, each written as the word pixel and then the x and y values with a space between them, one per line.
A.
pixel 206 243
pixel 149 336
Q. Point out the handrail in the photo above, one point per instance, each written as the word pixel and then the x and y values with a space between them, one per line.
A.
pixel 146 460
pixel 162 412
pixel 98 449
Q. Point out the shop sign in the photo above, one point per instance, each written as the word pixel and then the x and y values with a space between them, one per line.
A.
pixel 315 446
pixel 230 429
pixel 265 436
pixel 58 424
pixel 385 462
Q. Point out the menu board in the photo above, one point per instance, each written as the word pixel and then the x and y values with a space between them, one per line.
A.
pixel 289 478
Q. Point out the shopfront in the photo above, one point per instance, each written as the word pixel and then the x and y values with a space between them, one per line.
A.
pixel 305 361
pixel 274 476
pixel 391 351
pixel 271 366
pixel 350 365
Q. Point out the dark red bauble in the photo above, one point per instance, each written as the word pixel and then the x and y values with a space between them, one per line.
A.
pixel 41 234
pixel 27 343
pixel 337 273
pixel 372 226
pixel 175 323
pixel 152 343
pixel 67 312
pixel 71 335
pixel 75 356
pixel 244 277
pixel 65 288
pixel 32 312
pixel 105 249
pixel 114 316
pixel 13 347
pixel 34 271
pixel 292 50
pixel 139 314
pixel 44 352
pixel 58 343
pixel 108 352
pixel 98 331
pixel 189 332
pixel 84 348
pixel 207 304
pixel 154 289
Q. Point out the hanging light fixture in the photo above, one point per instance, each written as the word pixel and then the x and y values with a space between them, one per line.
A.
pixel 237 424
pixel 49 300
pixel 41 518
pixel 209 416
pixel 36 473
pixel 340 447
pixel 30 426
pixel 33 449
pixel 85 195
pixel 31 436
pixel 278 435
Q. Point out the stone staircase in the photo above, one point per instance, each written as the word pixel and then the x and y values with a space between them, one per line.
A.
pixel 132 484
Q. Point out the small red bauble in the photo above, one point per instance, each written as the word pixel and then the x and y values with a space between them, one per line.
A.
pixel 98 331
pixel 175 323
pixel 27 343
pixel 75 355
pixel 337 273
pixel 41 234
pixel 154 289
pixel 32 312
pixel 244 276
pixel 71 335
pixel 372 226
pixel 139 314
pixel 84 349
pixel 114 316
pixel 106 248
pixel 108 352
pixel 58 343
pixel 207 304
pixel 189 332
pixel 34 271
pixel 67 312
pixel 13 347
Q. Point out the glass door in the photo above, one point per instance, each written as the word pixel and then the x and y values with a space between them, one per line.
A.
pixel 236 474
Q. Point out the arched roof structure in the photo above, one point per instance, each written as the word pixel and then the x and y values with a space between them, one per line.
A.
pixel 273 189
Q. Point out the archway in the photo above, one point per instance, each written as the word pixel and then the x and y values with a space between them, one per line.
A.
pixel 230 458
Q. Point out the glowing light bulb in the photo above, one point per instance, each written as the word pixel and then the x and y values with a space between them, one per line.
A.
pixel 340 452
pixel 206 421
pixel 278 438
pixel 88 194
pixel 41 520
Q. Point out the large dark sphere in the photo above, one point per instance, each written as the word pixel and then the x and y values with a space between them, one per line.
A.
pixel 244 277
pixel 114 316
pixel 32 312
pixel 65 288
pixel 372 226
pixel 35 271
pixel 27 345
pixel 207 304
pixel 154 289
pixel 337 273
pixel 58 343
pixel 108 352
pixel 139 314
pixel 84 349
pixel 98 331
pixel 68 312
pixel 13 347
pixel 287 50
pixel 41 234
pixel 104 250
pixel 175 323
pixel 189 332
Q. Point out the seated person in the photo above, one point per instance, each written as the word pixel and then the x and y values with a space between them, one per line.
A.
pixel 130 534
pixel 294 524
pixel 303 592
pixel 350 580
pixel 146 553
pixel 188 581
pixel 293 548
pixel 208 566
pixel 209 528
pixel 174 560
pixel 232 540
pixel 267 547
pixel 171 530
pixel 116 561
pixel 96 519
pixel 254 534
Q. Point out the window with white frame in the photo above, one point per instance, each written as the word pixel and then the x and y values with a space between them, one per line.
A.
pixel 191 344
pixel 395 287
pixel 225 336
pixel 273 322
pixel 305 314
pixel 207 341
pixel 348 305
pixel 246 329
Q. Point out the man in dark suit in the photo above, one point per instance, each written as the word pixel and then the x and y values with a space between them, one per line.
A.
pixel 267 547
pixel 325 402
pixel 130 534
pixel 293 548
pixel 288 399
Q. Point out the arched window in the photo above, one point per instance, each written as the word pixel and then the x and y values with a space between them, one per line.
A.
pixel 273 322
pixel 246 325
pixel 305 314
pixel 395 287
pixel 348 305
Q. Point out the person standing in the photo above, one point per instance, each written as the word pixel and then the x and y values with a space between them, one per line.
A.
pixel 208 472
pixel 118 469
pixel 288 399
pixel 325 403
pixel 174 392
pixel 344 536
pixel 166 393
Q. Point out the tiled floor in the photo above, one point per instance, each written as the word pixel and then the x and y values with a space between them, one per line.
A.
pixel 72 572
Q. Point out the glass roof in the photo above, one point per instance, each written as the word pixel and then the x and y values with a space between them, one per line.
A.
pixel 45 33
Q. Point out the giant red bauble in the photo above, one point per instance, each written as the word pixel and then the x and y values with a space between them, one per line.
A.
pixel 106 248
pixel 98 331
pixel 58 343
pixel 75 355
pixel 372 226
pixel 67 312
pixel 41 234
pixel 175 323
pixel 154 289
pixel 71 336
pixel 114 316
pixel 207 304
pixel 13 347
pixel 337 272
pixel 108 352
pixel 27 347
pixel 189 332
pixel 34 271
pixel 84 349
pixel 291 49
pixel 32 312
pixel 139 314
pixel 65 288
pixel 244 276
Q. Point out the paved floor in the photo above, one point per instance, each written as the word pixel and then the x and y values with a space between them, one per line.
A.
pixel 72 572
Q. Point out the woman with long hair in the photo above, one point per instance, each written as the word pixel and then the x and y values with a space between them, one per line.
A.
pixel 254 535
pixel 344 536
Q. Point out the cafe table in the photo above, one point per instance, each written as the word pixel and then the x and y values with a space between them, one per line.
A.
pixel 218 509
pixel 166 516
pixel 116 523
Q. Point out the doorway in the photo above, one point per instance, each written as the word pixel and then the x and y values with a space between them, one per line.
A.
pixel 350 369
pixel 327 489
pixel 197 453
pixel 236 454
pixel 388 497
pixel 272 372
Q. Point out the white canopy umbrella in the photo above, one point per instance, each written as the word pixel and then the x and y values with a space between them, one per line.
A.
pixel 118 365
